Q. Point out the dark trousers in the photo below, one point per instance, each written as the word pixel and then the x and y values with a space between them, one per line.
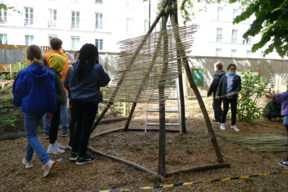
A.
pixel 217 109
pixel 72 123
pixel 85 116
pixel 233 103
pixel 55 122
pixel 273 114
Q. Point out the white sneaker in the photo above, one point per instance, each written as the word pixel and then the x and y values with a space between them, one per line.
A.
pixel 222 126
pixel 60 146
pixel 234 127
pixel 53 149
pixel 28 164
pixel 47 167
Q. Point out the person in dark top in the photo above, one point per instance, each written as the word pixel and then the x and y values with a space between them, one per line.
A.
pixel 272 109
pixel 229 86
pixel 213 88
pixel 85 79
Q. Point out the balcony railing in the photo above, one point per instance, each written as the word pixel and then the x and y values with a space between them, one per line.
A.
pixel 234 40
pixel 3 20
pixel 75 25
pixel 52 23
pixel 28 22
pixel 99 2
pixel 219 39
pixel 98 27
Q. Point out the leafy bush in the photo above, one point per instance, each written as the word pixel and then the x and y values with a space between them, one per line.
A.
pixel 252 89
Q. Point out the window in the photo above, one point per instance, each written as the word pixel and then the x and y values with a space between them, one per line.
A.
pixel 3 16
pixel 99 21
pixel 219 35
pixel 233 53
pixel 52 18
pixel 130 3
pixel 75 1
pixel 235 13
pixel 99 44
pixel 249 40
pixel 146 26
pixel 75 20
pixel 129 24
pixel 219 14
pixel 98 2
pixel 262 53
pixel 3 39
pixel 248 54
pixel 146 5
pixel 218 52
pixel 28 16
pixel 29 39
pixel 75 43
pixel 234 36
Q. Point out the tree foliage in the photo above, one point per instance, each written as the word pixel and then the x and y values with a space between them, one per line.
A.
pixel 271 21
pixel 6 7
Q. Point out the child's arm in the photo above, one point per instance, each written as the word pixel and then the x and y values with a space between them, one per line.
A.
pixel 239 87
pixel 282 97
pixel 52 98
pixel 66 82
pixel 219 88
pixel 104 78
pixel 19 88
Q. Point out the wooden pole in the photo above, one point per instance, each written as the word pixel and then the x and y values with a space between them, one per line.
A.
pixel 196 91
pixel 196 169
pixel 181 91
pixel 11 71
pixel 125 162
pixel 161 162
pixel 162 11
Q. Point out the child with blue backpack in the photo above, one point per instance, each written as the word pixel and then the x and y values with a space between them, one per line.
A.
pixel 34 93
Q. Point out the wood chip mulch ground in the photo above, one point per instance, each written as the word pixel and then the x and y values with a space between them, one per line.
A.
pixel 190 150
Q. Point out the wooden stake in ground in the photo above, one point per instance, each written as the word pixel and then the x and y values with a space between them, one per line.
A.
pixel 195 89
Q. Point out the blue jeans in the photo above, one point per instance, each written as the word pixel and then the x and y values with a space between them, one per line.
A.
pixel 63 120
pixel 31 123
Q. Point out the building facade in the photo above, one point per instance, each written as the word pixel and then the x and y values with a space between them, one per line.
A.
pixel 76 22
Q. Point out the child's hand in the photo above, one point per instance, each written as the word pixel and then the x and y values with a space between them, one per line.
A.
pixel 49 116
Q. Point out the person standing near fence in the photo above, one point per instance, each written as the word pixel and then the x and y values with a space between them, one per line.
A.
pixel 85 79
pixel 33 90
pixel 213 88
pixel 228 88
pixel 56 45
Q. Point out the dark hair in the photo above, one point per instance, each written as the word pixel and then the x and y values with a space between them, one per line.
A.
pixel 34 54
pixel 76 53
pixel 56 43
pixel 87 58
pixel 231 65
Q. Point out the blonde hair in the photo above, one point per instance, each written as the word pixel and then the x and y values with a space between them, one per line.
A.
pixel 34 54
pixel 219 65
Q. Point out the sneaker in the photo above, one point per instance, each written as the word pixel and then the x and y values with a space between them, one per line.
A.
pixel 222 126
pixel 28 164
pixel 234 127
pixel 53 149
pixel 73 156
pixel 284 163
pixel 216 122
pixel 65 134
pixel 46 135
pixel 47 167
pixel 85 160
pixel 60 146
pixel 69 147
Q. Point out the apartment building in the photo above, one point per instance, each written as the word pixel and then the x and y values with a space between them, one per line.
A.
pixel 76 22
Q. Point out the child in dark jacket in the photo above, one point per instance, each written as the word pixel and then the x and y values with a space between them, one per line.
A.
pixel 229 86
pixel 56 65
pixel 85 79
pixel 34 92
